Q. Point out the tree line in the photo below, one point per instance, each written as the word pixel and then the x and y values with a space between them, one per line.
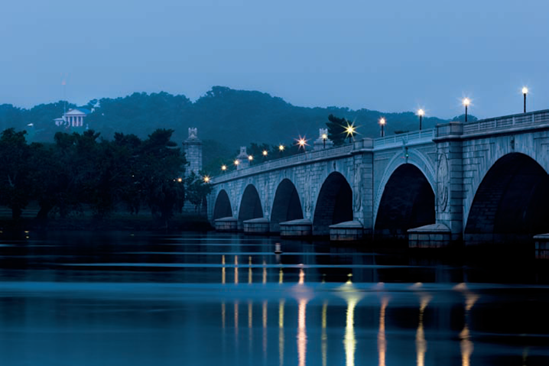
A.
pixel 83 172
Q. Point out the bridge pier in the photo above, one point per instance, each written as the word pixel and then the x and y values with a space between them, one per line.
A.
pixel 226 224
pixel 256 226
pixel 346 231
pixel 296 228
pixel 429 236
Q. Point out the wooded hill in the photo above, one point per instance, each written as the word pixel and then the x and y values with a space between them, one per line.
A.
pixel 226 118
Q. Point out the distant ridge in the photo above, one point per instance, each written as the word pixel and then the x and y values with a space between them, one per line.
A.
pixel 231 117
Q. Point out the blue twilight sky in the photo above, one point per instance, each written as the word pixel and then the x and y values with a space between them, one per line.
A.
pixel 392 55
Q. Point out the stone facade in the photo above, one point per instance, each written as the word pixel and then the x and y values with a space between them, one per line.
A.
pixel 193 152
pixel 454 159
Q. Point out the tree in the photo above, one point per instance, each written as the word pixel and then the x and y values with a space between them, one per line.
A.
pixel 197 190
pixel 15 189
pixel 336 129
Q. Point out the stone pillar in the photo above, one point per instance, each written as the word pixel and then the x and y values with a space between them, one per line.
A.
pixel 322 142
pixel 450 191
pixel 363 191
pixel 242 158
pixel 193 152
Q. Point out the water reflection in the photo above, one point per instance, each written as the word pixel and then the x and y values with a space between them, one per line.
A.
pixel 250 269
pixel 178 316
pixel 281 331
pixel 236 269
pixel 465 343
pixel 381 341
pixel 421 343
pixel 324 337
pixel 301 332
pixel 352 297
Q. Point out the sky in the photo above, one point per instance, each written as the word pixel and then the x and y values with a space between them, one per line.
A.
pixel 391 55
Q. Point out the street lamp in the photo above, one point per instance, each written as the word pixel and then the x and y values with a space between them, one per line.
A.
pixel 420 113
pixel 324 138
pixel 524 92
pixel 250 158
pixel 350 130
pixel 265 153
pixel 236 162
pixel 382 122
pixel 223 167
pixel 466 102
pixel 206 179
pixel 302 143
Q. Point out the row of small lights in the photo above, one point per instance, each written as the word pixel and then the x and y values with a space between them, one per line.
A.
pixel 350 130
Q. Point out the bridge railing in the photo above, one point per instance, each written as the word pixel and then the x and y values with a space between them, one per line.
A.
pixel 404 138
pixel 329 153
pixel 495 124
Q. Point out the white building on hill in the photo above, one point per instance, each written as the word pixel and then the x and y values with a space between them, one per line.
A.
pixel 73 118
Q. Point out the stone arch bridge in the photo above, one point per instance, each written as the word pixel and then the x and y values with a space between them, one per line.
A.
pixel 483 181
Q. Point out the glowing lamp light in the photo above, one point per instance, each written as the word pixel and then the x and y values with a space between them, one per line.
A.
pixel 466 102
pixel 223 167
pixel 180 179
pixel 324 136
pixel 524 92
pixel 206 179
pixel 350 130
pixel 281 147
pixel 250 157
pixel 302 142
pixel 420 112
pixel 265 152
pixel 382 121
pixel 236 162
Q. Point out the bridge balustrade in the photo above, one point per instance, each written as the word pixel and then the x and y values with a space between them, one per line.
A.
pixel 380 142
pixel 505 122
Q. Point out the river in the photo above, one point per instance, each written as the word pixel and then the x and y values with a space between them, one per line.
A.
pixel 121 298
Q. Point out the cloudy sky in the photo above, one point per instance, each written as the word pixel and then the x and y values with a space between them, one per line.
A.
pixel 391 55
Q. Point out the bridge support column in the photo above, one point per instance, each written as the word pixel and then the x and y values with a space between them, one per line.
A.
pixel 450 192
pixel 542 246
pixel 363 187
pixel 346 231
pixel 226 224
pixel 257 226
pixel 296 228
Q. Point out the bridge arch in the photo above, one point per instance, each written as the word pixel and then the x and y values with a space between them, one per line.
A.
pixel 250 204
pixel 479 168
pixel 416 158
pixel 510 203
pixel 408 201
pixel 222 207
pixel 286 204
pixel 334 204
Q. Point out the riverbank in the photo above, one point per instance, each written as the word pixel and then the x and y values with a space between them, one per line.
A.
pixel 117 221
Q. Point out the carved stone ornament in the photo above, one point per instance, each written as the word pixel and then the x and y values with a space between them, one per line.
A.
pixel 443 179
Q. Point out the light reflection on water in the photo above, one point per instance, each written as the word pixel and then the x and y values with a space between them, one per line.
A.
pixel 295 309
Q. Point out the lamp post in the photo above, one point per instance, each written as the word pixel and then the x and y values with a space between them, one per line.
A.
pixel 466 102
pixel 265 153
pixel 237 162
pixel 281 149
pixel 324 138
pixel 524 92
pixel 302 143
pixel 382 122
pixel 420 113
pixel 250 159
pixel 350 131
pixel 223 168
